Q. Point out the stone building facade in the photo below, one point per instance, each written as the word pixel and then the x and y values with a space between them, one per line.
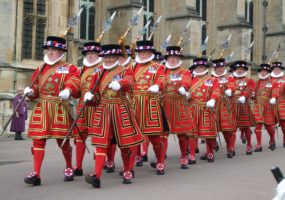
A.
pixel 26 23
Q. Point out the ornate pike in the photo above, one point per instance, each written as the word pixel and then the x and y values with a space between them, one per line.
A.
pixel 184 32
pixel 229 57
pixel 248 50
pixel 182 46
pixel 226 45
pixel 154 27
pixel 107 26
pixel 72 22
pixel 204 46
pixel 165 43
pixel 133 22
pixel 275 54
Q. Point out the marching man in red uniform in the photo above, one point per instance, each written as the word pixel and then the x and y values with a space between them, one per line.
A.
pixel 204 93
pixel 149 82
pixel 175 101
pixel 278 97
pixel 50 118
pixel 114 119
pixel 263 111
pixel 225 109
pixel 91 63
pixel 244 90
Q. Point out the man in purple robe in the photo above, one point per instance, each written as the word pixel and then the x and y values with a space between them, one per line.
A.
pixel 20 116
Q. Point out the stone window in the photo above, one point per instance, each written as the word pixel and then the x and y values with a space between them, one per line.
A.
pixel 34 24
pixel 201 7
pixel 148 15
pixel 249 11
pixel 87 20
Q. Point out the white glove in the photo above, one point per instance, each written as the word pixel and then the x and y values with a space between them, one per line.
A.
pixel 228 92
pixel 28 91
pixel 64 94
pixel 88 96
pixel 241 99
pixel 154 89
pixel 188 95
pixel 211 103
pixel 115 85
pixel 182 91
pixel 272 101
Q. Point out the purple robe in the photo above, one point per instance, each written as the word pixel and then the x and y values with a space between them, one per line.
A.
pixel 18 123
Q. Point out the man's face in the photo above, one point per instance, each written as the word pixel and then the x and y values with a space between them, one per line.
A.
pixel 200 69
pixel 277 70
pixel 173 60
pixel 143 55
pixel 110 60
pixel 240 70
pixel 263 73
pixel 53 53
pixel 122 59
pixel 219 70
pixel 91 56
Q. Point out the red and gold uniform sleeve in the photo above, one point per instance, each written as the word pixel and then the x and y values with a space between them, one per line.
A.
pixel 127 81
pixel 276 89
pixel 160 79
pixel 215 90
pixel 35 86
pixel 186 80
pixel 231 84
pixel 249 89
pixel 72 80
pixel 99 72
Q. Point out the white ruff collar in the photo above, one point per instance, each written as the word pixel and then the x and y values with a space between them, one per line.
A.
pixel 216 75
pixel 88 64
pixel 241 75
pixel 173 67
pixel 201 73
pixel 47 61
pixel 278 75
pixel 138 60
pixel 112 66
pixel 126 62
pixel 263 77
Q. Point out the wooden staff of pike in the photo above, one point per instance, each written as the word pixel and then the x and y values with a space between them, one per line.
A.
pixel 184 32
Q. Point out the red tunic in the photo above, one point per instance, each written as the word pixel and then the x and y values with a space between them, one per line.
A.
pixel 146 104
pixel 114 116
pixel 226 106
pixel 176 105
pixel 202 89
pixel 263 111
pixel 244 87
pixel 50 117
pixel 279 93
pixel 88 75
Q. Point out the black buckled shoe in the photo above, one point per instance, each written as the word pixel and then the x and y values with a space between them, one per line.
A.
pixel 248 151
pixel 127 177
pixel 153 164
pixel 243 140
pixel 234 153
pixel 33 179
pixel 191 161
pixel 210 157
pixel 184 163
pixel 230 154
pixel 216 147
pixel 110 167
pixel 272 146
pixel 139 161
pixel 145 158
pixel 160 169
pixel 93 180
pixel 258 149
pixel 78 172
pixel 68 175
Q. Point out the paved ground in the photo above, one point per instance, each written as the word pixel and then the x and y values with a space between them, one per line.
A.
pixel 243 177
